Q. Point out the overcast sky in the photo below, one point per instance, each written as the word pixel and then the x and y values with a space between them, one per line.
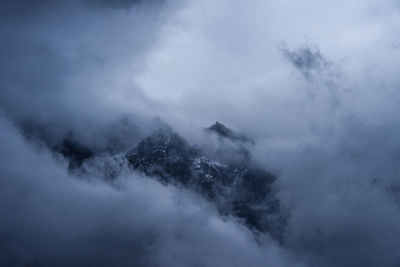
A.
pixel 315 83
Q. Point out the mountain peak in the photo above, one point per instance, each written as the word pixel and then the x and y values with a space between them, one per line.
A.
pixel 164 137
pixel 237 188
pixel 220 128
pixel 223 131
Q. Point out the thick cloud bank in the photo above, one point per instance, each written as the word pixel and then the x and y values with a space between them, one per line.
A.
pixel 52 219
pixel 314 84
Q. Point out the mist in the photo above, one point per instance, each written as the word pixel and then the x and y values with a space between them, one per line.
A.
pixel 314 84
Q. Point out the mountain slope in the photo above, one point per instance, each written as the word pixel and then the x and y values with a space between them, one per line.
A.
pixel 239 189
pixel 224 132
pixel 237 186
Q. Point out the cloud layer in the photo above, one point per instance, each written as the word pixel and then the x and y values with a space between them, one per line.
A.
pixel 315 84
pixel 53 219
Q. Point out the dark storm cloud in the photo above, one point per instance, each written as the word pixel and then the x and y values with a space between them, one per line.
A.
pixel 25 10
pixel 121 3
pixel 31 7
pixel 55 54
pixel 97 70
pixel 342 213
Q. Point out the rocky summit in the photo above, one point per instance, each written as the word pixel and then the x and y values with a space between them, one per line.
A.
pixel 224 132
pixel 241 189
pixel 238 188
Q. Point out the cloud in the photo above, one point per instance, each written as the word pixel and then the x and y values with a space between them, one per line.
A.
pixel 59 67
pixel 339 193
pixel 53 219
pixel 321 73
pixel 306 60
pixel 323 111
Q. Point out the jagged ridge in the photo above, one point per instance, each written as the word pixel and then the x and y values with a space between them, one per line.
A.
pixel 223 131
pixel 239 189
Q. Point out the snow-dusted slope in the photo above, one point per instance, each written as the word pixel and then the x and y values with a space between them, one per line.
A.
pixel 240 188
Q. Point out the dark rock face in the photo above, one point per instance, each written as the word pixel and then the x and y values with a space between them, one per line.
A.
pixel 75 152
pixel 225 132
pixel 239 189
pixel 164 154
